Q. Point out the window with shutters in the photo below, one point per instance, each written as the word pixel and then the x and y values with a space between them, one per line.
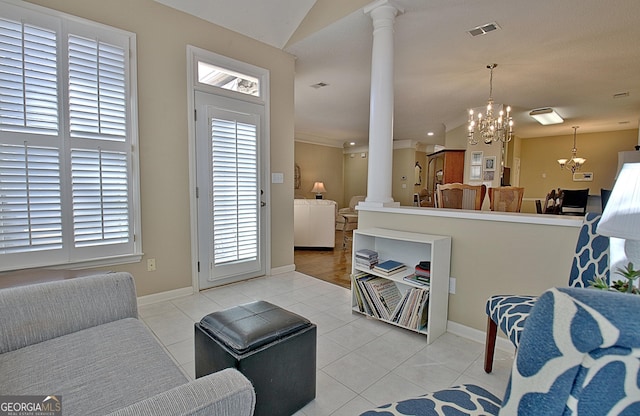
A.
pixel 67 141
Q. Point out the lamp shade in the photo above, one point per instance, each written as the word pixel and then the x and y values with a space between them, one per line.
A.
pixel 318 187
pixel 621 217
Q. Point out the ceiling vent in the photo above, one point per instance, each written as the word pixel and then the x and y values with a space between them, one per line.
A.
pixel 484 29
pixel 319 85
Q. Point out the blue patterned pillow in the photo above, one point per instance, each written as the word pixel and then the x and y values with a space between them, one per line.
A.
pixel 579 354
pixel 591 258
pixel 464 400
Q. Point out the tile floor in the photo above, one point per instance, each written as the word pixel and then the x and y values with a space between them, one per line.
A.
pixel 361 362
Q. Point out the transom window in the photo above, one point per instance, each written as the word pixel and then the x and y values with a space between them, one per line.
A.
pixel 228 79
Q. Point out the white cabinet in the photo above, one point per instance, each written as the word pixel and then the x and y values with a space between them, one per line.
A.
pixel 314 223
pixel 408 248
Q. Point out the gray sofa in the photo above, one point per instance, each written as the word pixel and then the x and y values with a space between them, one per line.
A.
pixel 81 339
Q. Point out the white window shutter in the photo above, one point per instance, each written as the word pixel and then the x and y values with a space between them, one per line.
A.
pixel 97 104
pixel 68 140
pixel 30 199
pixel 235 183
pixel 100 197
pixel 28 79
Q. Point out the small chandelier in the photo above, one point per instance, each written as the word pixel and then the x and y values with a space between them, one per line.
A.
pixel 490 128
pixel 574 163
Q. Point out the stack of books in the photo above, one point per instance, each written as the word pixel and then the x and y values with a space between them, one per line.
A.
pixel 366 258
pixel 412 311
pixel 423 271
pixel 389 267
pixel 376 296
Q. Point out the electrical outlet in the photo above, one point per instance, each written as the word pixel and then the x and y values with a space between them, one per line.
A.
pixel 452 285
pixel 151 265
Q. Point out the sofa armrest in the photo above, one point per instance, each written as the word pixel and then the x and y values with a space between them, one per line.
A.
pixel 224 393
pixel 39 312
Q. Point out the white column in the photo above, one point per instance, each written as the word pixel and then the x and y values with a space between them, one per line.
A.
pixel 383 14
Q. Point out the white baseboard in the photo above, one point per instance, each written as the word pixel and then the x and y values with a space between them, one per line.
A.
pixel 282 269
pixel 502 344
pixel 186 291
pixel 164 296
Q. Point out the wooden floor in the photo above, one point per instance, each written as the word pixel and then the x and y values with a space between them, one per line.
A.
pixel 333 266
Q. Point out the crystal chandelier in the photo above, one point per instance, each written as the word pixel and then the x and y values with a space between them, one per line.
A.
pixel 487 126
pixel 574 163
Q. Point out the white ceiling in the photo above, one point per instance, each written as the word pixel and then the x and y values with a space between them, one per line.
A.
pixel 572 55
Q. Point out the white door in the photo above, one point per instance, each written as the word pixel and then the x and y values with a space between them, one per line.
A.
pixel 229 183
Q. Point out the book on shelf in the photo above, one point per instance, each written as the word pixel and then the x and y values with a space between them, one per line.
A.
pixel 376 295
pixel 389 267
pixel 418 280
pixel 367 264
pixel 412 310
pixel 421 271
pixel 365 303
pixel 381 298
pixel 365 253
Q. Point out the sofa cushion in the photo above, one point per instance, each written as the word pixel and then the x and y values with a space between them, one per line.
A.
pixel 96 370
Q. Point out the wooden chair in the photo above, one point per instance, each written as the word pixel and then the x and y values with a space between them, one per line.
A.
pixel 460 196
pixel 552 203
pixel 506 198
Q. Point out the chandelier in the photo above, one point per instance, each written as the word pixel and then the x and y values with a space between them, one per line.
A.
pixel 574 163
pixel 489 127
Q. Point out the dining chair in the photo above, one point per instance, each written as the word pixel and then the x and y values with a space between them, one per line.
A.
pixel 460 196
pixel 552 203
pixel 509 312
pixel 580 355
pixel 574 201
pixel 604 197
pixel 506 198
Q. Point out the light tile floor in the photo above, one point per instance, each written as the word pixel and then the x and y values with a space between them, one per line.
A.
pixel 361 363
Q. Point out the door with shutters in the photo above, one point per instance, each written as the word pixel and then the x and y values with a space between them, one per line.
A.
pixel 230 212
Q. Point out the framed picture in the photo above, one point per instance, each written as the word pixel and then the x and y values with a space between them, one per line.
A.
pixel 490 163
pixel 488 175
pixel 476 158
pixel 475 172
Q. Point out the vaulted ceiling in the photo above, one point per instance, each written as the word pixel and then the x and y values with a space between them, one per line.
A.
pixel 580 57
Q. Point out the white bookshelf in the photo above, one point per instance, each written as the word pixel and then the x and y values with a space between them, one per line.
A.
pixel 409 248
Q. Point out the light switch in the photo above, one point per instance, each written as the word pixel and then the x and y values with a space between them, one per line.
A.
pixel 277 177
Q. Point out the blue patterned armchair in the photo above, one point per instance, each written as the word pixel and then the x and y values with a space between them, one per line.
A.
pixel 509 312
pixel 579 354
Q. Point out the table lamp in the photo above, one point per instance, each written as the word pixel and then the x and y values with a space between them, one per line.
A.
pixel 318 188
pixel 621 216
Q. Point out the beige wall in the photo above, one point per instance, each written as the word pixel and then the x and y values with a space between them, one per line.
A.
pixel 456 138
pixel 403 172
pixel 320 163
pixel 490 257
pixel 540 171
pixel 356 169
pixel 162 38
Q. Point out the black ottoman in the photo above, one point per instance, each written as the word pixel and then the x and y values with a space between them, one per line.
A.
pixel 272 347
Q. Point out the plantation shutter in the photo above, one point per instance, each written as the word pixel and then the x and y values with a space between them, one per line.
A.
pixel 67 142
pixel 97 105
pixel 28 79
pixel 97 117
pixel 235 186
pixel 30 199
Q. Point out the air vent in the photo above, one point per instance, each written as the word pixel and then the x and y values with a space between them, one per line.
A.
pixel 319 85
pixel 484 29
